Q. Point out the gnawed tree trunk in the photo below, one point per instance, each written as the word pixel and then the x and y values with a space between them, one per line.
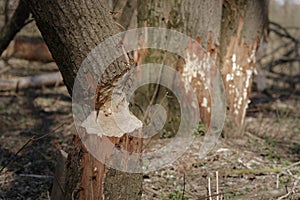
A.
pixel 200 20
pixel 239 29
pixel 71 30
pixel 243 26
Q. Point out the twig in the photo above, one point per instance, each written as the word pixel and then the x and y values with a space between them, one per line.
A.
pixel 292 165
pixel 285 45
pixel 281 61
pixel 277 181
pixel 286 33
pixel 256 171
pixel 291 191
pixel 153 98
pixel 36 176
pixel 209 188
pixel 183 190
pixel 293 27
pixel 217 184
pixel 32 139
pixel 15 155
pixel 28 21
pixel 6 10
pixel 53 131
pixel 152 191
pixel 288 167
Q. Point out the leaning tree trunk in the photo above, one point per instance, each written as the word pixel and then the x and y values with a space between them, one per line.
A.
pixel 71 29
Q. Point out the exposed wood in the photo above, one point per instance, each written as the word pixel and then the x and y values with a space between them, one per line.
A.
pixel 201 20
pixel 84 174
pixel 243 26
pixel 71 29
pixel 59 176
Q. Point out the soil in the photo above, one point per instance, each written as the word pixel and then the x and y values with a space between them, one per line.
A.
pixel 263 163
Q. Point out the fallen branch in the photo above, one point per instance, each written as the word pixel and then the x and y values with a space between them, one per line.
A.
pixel 255 171
pixel 36 176
pixel 49 79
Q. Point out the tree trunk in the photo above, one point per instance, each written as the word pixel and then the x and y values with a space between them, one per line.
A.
pixel 72 29
pixel 229 30
pixel 200 20
pixel 244 24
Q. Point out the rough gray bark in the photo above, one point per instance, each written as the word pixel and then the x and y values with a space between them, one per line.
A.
pixel 71 29
pixel 201 20
pixel 124 14
pixel 194 18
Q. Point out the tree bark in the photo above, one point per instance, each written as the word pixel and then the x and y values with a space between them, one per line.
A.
pixel 124 14
pixel 237 31
pixel 200 20
pixel 71 30
pixel 244 24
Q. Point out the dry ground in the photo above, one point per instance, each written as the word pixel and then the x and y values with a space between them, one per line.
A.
pixel 261 164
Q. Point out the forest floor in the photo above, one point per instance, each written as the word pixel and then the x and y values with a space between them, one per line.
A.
pixel 263 163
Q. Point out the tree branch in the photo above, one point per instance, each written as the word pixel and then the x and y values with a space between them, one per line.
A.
pixel 285 33
pixel 14 25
